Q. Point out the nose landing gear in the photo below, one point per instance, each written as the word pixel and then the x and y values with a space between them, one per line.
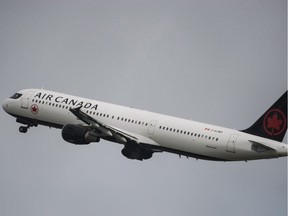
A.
pixel 27 122
pixel 23 129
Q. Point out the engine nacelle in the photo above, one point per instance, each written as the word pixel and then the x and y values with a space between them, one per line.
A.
pixel 137 153
pixel 79 134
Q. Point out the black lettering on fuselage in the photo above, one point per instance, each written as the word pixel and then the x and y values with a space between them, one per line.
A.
pixel 80 104
pixel 95 107
pixel 49 97
pixel 87 105
pixel 38 95
pixel 43 96
pixel 67 101
pixel 72 102
pixel 57 99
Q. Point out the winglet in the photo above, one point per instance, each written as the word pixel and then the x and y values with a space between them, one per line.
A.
pixel 76 109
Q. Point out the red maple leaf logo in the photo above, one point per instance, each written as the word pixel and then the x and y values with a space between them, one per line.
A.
pixel 34 109
pixel 274 122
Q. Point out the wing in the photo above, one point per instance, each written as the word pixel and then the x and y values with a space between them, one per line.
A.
pixel 129 139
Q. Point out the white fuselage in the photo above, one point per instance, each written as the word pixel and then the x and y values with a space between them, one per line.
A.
pixel 196 138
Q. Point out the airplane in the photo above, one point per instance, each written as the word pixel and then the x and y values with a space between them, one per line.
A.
pixel 144 133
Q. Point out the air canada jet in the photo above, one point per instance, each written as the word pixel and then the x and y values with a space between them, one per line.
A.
pixel 144 133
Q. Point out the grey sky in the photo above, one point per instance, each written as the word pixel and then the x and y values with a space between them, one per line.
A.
pixel 222 62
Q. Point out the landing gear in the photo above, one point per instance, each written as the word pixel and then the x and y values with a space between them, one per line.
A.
pixel 23 129
pixel 28 122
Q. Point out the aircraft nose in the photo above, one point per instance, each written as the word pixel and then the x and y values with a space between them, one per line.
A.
pixel 5 105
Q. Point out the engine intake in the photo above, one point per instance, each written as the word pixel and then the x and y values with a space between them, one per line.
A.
pixel 79 134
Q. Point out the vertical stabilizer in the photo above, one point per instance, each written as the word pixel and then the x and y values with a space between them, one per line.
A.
pixel 273 123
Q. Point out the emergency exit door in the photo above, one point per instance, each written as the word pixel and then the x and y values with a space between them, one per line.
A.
pixel 151 127
pixel 231 143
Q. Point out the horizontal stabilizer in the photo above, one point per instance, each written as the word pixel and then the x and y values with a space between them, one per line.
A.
pixel 261 147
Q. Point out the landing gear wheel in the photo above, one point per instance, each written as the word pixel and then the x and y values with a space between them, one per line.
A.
pixel 23 129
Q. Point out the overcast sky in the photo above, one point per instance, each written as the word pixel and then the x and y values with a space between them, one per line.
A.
pixel 222 62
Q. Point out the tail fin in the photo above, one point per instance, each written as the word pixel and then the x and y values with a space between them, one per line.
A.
pixel 273 123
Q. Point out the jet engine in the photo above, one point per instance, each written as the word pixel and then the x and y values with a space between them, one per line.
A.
pixel 137 153
pixel 79 134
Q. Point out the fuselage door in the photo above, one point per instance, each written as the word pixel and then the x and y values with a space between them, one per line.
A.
pixel 25 99
pixel 151 127
pixel 231 143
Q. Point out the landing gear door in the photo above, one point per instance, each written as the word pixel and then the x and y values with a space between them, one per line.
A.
pixel 231 143
pixel 25 100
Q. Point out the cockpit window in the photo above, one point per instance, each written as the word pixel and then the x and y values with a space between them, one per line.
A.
pixel 16 96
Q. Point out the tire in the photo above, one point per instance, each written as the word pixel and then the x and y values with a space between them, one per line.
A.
pixel 23 129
